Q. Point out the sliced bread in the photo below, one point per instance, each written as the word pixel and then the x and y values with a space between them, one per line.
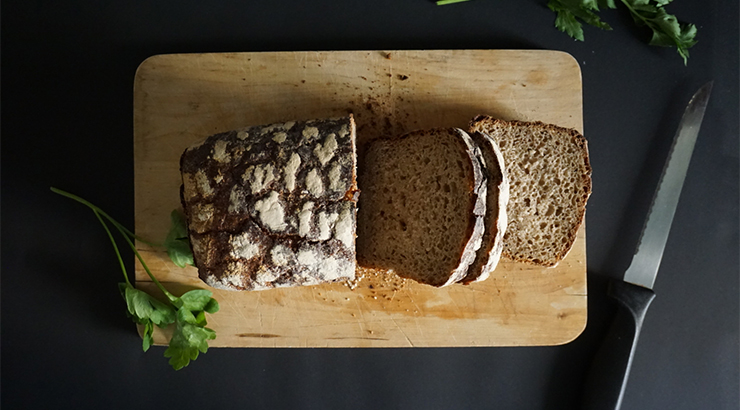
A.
pixel 422 205
pixel 497 197
pixel 550 175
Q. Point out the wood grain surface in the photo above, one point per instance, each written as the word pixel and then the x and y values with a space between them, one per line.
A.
pixel 181 99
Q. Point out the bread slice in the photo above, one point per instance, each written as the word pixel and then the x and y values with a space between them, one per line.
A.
pixel 497 197
pixel 422 205
pixel 550 175
pixel 274 205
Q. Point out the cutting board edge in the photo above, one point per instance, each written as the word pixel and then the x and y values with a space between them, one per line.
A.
pixel 160 339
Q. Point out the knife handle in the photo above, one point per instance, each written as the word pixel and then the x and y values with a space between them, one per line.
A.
pixel 607 379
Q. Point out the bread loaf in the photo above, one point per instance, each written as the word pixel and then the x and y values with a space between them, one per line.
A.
pixel 272 206
pixel 550 175
pixel 495 220
pixel 423 203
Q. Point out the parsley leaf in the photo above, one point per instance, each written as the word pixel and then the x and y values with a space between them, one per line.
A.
pixel 569 12
pixel 177 242
pixel 212 306
pixel 566 20
pixel 198 299
pixel 191 336
pixel 667 31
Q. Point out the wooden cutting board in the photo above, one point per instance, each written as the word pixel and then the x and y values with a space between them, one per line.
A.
pixel 181 99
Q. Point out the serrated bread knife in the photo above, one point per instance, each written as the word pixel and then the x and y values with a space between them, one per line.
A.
pixel 607 379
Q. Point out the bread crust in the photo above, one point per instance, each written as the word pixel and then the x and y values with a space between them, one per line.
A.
pixel 477 213
pixel 274 205
pixel 485 123
pixel 495 220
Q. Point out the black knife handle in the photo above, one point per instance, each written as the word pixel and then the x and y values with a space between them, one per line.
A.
pixel 607 378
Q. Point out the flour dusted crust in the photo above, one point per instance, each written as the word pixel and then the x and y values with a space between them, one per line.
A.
pixel 480 189
pixel 273 206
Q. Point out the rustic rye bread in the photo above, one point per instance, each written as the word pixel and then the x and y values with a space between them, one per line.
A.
pixel 422 207
pixel 550 176
pixel 273 206
pixel 495 219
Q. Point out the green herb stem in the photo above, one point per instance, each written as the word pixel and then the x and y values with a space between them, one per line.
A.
pixel 115 223
pixel 446 2
pixel 127 235
pixel 635 13
pixel 115 246
pixel 169 295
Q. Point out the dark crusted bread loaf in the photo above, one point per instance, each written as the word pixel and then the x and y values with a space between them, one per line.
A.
pixel 497 197
pixel 422 207
pixel 550 176
pixel 272 206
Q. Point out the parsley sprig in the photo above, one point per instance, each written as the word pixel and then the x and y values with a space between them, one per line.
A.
pixel 667 30
pixel 187 312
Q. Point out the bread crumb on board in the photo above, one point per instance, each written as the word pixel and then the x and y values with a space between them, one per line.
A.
pixel 380 283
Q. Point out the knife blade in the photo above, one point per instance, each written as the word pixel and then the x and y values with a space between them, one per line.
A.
pixel 607 378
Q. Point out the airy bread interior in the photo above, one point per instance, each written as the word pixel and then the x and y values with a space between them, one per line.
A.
pixel 550 176
pixel 420 211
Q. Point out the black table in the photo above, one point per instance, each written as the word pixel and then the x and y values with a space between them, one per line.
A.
pixel 68 71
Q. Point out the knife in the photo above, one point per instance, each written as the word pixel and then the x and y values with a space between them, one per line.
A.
pixel 607 379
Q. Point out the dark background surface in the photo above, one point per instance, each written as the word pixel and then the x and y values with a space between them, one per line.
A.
pixel 68 69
